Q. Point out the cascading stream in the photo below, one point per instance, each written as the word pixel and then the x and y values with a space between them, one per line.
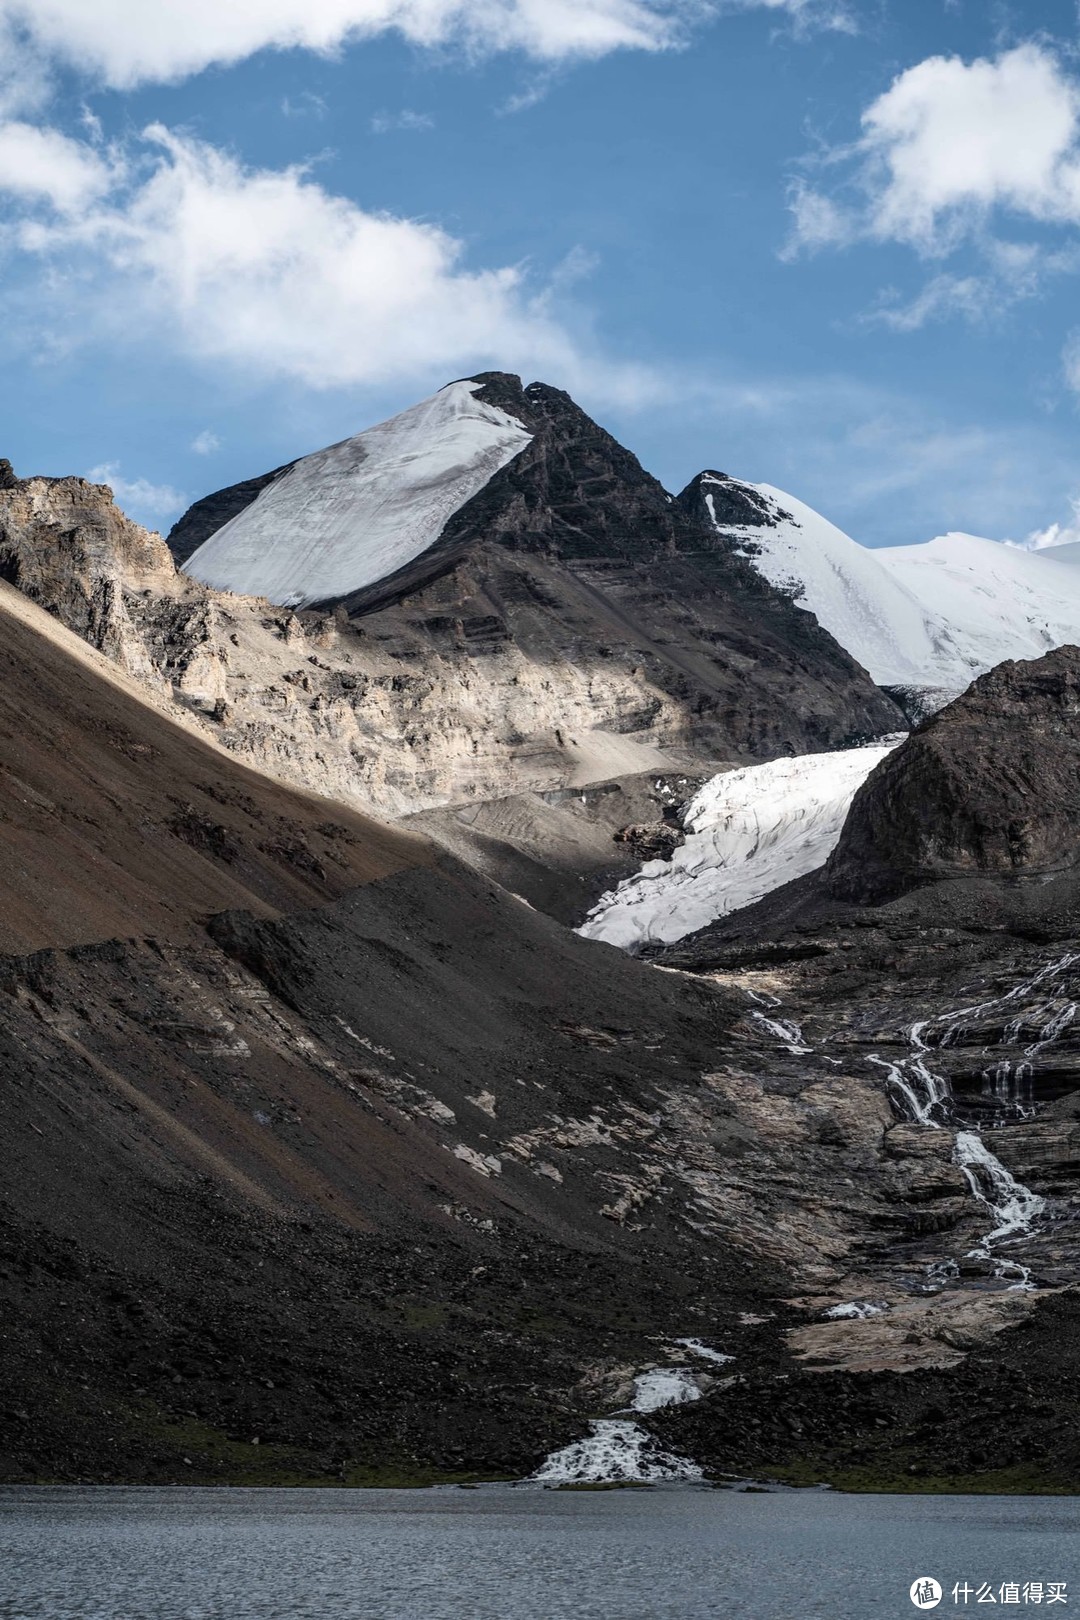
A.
pixel 618 1450
pixel 924 1098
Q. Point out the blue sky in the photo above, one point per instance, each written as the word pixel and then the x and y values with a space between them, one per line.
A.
pixel 831 245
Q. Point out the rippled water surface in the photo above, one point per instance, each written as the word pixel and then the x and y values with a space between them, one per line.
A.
pixel 502 1553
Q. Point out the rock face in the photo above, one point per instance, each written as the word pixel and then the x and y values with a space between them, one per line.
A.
pixel 65 545
pixel 990 786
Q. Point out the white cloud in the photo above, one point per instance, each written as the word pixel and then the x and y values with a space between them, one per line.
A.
pixel 947 145
pixel 306 105
pixel 141 499
pixel 819 222
pixel 972 297
pixel 125 43
pixel 385 123
pixel 205 443
pixel 128 42
pixel 42 165
pixel 950 154
pixel 269 273
pixel 950 141
pixel 834 14
pixel 1056 534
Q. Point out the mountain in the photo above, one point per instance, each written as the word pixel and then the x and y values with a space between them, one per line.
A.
pixel 300 1166
pixel 567 626
pixel 927 616
pixel 328 1160
pixel 325 1160
pixel 348 517
pixel 880 621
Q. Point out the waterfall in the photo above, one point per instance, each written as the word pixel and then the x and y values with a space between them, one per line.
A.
pixel 924 1094
pixel 1011 1087
pixel 786 1031
pixel 925 1098
pixel 1013 1206
pixel 617 1450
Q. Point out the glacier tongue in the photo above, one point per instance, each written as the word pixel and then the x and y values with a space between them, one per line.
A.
pixel 750 831
pixel 348 516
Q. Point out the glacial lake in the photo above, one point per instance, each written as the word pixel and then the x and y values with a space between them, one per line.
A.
pixel 520 1553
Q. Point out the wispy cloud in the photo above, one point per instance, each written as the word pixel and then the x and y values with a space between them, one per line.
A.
pixel 267 272
pixel 386 123
pixel 141 499
pixel 205 443
pixel 306 104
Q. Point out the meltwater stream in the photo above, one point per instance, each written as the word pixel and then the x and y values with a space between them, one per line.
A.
pixel 618 1450
pixel 925 1098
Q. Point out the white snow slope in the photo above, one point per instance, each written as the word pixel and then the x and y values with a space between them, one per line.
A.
pixel 932 615
pixel 348 516
pixel 749 832
pixel 1000 601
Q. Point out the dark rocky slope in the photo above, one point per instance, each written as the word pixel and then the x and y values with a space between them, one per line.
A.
pixel 116 821
pixel 295 1192
pixel 989 786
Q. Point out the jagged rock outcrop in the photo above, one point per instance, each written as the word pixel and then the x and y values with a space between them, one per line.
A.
pixel 717 501
pixel 67 546
pixel 990 786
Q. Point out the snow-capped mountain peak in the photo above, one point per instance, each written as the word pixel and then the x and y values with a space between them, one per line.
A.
pixel 347 517
pixel 921 616
pixel 875 616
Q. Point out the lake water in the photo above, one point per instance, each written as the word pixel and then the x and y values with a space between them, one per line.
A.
pixel 505 1553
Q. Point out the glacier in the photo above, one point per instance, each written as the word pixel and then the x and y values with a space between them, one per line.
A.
pixel 749 831
pixel 1000 601
pixel 932 615
pixel 349 516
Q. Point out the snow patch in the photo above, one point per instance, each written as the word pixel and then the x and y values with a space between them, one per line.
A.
pixel 857 1310
pixel 998 602
pixel 348 516
pixel 750 831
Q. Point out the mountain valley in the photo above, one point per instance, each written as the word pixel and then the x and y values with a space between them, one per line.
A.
pixel 336 1154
